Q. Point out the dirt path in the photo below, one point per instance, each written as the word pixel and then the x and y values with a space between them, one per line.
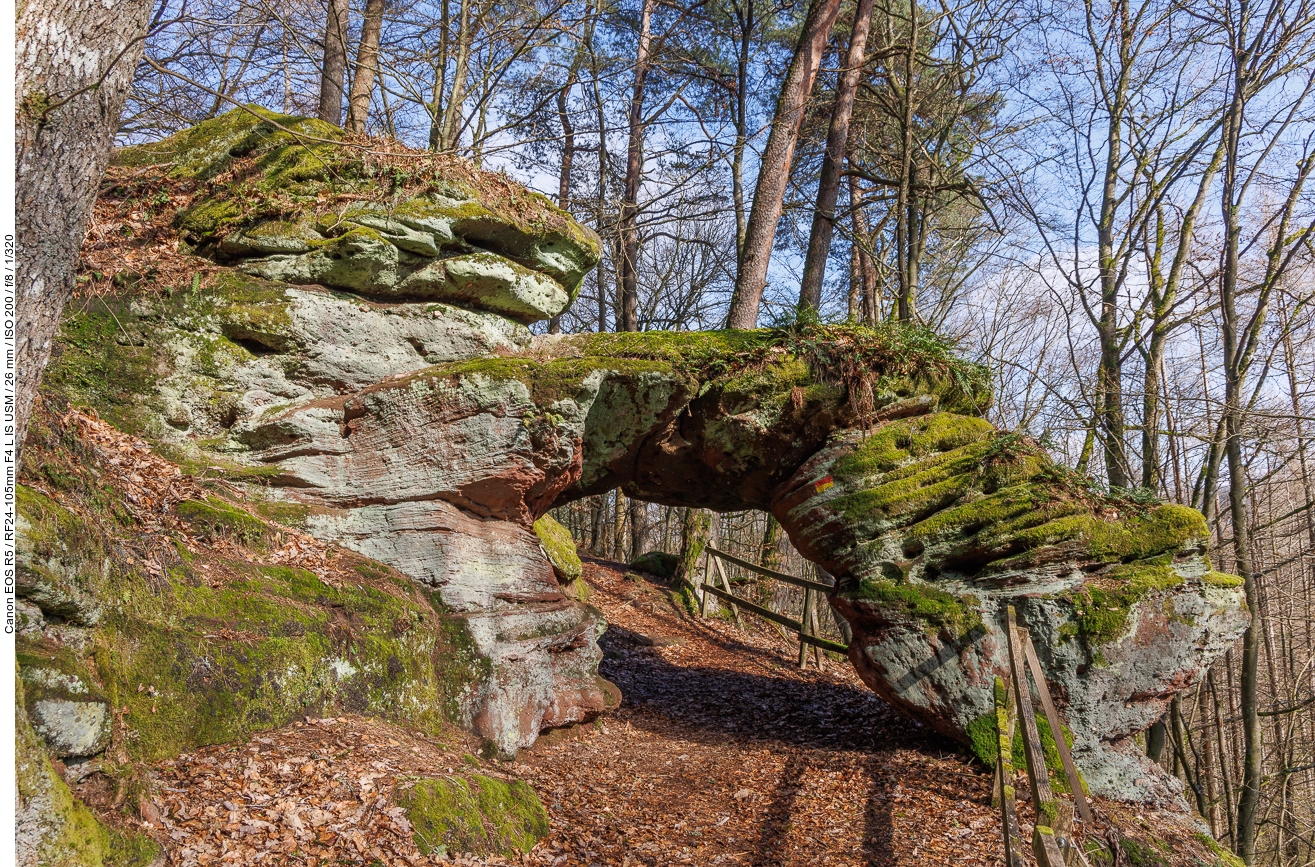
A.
pixel 724 752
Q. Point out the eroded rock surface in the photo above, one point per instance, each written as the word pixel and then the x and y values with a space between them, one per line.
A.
pixel 427 430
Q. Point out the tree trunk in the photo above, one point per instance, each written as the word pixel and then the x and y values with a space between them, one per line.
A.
pixel 638 529
pixel 867 270
pixel 367 66
pixel 334 67
pixel 1109 383
pixel 745 17
pixel 908 293
pixel 451 131
pixel 74 66
pixel 774 168
pixel 568 159
pixel 436 110
pixel 695 525
pixel 628 320
pixel 769 550
pixel 828 186
pixel 619 528
pixel 1235 368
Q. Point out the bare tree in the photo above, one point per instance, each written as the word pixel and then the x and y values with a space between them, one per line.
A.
pixel 334 66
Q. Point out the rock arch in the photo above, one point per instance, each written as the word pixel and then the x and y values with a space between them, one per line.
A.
pixel 370 360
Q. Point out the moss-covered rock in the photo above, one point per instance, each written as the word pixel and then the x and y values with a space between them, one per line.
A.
pixel 560 548
pixel 417 225
pixel 52 827
pixel 658 563
pixel 477 814
pixel 216 518
pixel 63 699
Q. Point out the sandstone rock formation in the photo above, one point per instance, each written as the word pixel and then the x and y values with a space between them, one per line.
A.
pixel 404 409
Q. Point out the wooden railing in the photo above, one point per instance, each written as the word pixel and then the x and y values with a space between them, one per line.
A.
pixel 806 629
pixel 1052 836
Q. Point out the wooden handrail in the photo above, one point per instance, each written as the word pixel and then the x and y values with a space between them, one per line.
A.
pixel 766 613
pixel 771 573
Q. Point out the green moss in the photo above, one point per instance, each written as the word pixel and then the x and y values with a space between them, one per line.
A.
pixel 215 518
pixel 923 602
pixel 895 444
pixel 983 734
pixel 1142 854
pixel 560 548
pixel 915 489
pixel 1102 606
pixel 1225 858
pixel 97 362
pixel 988 511
pixel 548 383
pixel 254 653
pixel 209 147
pixel 71 835
pixel 286 514
pixel 1166 528
pixel 1220 579
pixel 983 739
pixel 482 815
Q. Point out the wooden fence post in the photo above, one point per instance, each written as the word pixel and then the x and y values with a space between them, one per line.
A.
pixel 804 626
pixel 1056 729
pixel 726 584
pixel 1004 766
pixel 707 579
pixel 1044 846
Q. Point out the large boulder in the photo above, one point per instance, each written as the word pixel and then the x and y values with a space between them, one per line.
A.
pixel 286 200
pixel 430 431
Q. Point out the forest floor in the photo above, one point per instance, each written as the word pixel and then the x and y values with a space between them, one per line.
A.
pixel 722 752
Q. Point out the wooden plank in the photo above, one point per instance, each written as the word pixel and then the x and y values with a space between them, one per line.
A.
pixel 725 582
pixel 1010 723
pixel 814 630
pixel 1045 849
pixel 804 623
pixel 1043 799
pixel 771 573
pixel 824 643
pixel 1004 764
pixel 765 613
pixel 707 579
pixel 1056 729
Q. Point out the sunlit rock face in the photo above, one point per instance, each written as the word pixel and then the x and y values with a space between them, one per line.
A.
pixel 424 427
pixel 936 524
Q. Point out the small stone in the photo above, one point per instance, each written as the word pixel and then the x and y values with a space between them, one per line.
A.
pixel 72 728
